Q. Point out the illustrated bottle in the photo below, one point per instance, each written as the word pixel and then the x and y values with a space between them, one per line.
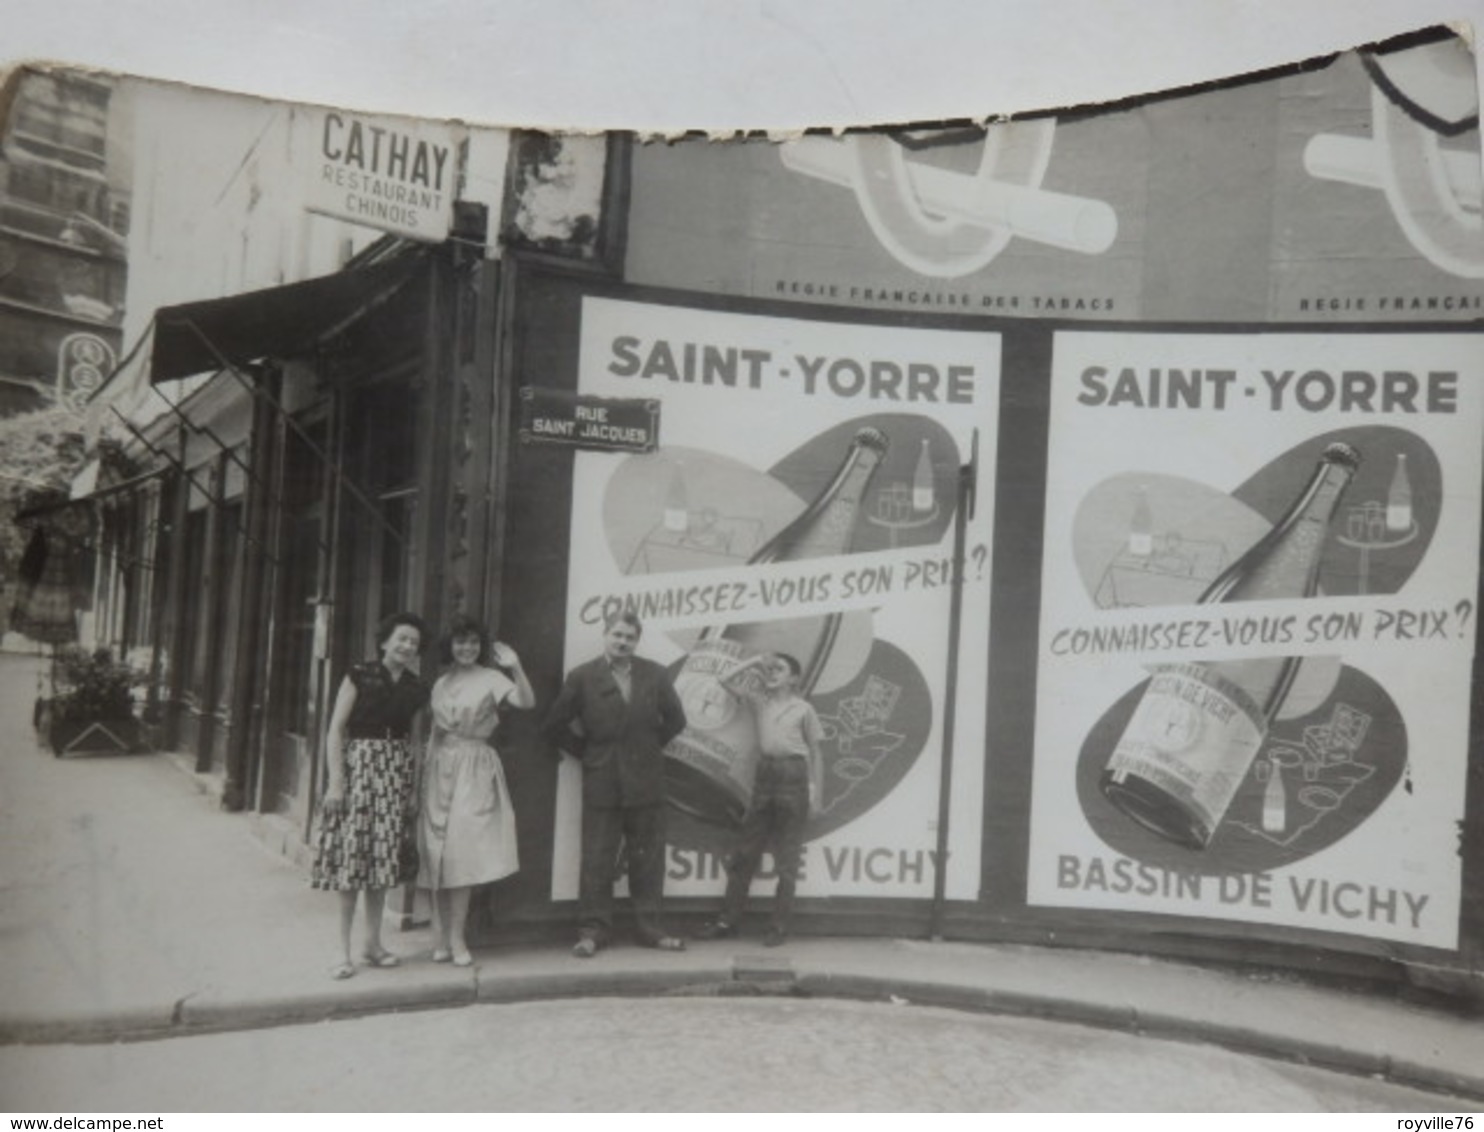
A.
pixel 1274 796
pixel 710 766
pixel 923 491
pixel 1399 499
pixel 1199 725
pixel 677 502
pixel 1141 526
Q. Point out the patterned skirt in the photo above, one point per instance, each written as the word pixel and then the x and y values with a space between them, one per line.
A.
pixel 367 844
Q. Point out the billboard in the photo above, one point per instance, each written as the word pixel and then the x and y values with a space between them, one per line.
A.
pixel 1258 620
pixel 1344 191
pixel 803 500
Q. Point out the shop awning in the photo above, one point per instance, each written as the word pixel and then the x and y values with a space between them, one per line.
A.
pixel 277 322
pixel 91 494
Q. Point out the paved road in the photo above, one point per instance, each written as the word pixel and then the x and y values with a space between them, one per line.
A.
pixel 682 1054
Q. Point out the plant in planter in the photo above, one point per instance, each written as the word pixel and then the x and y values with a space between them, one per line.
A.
pixel 92 706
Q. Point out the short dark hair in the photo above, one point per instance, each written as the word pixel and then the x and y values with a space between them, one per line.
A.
pixel 624 617
pixel 389 625
pixel 793 664
pixel 466 626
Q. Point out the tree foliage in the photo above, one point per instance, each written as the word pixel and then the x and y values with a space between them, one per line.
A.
pixel 40 453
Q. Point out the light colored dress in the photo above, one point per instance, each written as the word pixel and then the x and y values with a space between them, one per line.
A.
pixel 466 830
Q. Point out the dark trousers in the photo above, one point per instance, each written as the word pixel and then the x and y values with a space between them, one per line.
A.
pixel 642 830
pixel 775 820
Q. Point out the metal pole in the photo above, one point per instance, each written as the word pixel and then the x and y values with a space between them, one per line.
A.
pixel 967 478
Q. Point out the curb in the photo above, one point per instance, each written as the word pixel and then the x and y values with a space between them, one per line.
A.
pixel 210 1013
pixel 598 984
pixel 213 1012
pixel 103 1026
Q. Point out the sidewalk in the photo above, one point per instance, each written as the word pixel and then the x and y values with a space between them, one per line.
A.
pixel 131 908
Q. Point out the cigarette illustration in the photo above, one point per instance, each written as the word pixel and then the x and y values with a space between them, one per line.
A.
pixel 1360 161
pixel 944 223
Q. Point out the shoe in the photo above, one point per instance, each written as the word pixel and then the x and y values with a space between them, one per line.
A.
pixel 586 948
pixel 442 955
pixel 666 943
pixel 342 971
pixel 381 959
pixel 717 929
pixel 776 937
pixel 463 959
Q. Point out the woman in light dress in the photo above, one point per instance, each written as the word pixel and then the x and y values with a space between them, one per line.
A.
pixel 466 830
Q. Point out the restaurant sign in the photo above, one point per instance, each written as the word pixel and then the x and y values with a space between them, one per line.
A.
pixel 394 174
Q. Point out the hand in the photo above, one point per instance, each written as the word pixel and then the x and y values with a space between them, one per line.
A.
pixel 334 800
pixel 503 655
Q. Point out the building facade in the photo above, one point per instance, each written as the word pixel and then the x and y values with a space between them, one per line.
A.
pixel 64 222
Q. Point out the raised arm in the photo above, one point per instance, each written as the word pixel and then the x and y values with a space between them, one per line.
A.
pixel 735 681
pixel 523 696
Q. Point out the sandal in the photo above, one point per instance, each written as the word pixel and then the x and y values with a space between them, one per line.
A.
pixel 342 971
pixel 585 948
pixel 381 959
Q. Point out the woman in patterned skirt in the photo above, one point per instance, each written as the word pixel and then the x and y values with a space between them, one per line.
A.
pixel 466 830
pixel 365 827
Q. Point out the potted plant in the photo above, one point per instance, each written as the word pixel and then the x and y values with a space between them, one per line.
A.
pixel 92 705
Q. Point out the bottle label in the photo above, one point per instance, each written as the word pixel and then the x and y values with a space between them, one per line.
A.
pixel 1194 736
pixel 719 744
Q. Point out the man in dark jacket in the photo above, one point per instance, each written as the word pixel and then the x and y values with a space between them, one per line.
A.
pixel 616 713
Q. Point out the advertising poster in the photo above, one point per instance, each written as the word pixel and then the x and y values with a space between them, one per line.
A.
pixel 1261 567
pixel 801 499
pixel 1378 191
pixel 1023 219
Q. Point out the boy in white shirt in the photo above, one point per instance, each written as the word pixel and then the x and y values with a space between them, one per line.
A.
pixel 788 788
